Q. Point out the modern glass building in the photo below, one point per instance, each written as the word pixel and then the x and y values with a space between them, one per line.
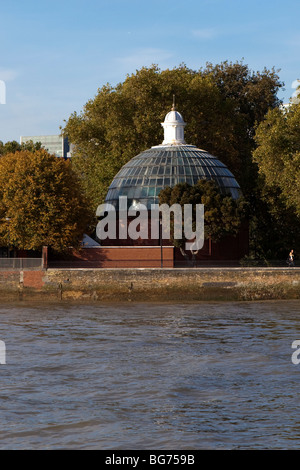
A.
pixel 172 162
pixel 54 144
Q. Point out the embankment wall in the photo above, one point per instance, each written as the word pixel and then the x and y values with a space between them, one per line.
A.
pixel 151 284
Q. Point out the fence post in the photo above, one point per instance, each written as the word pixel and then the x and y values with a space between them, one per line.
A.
pixel 45 257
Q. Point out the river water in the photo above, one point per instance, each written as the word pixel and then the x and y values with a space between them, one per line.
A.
pixel 150 376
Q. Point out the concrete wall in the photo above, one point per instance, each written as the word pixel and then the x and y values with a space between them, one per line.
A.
pixel 180 285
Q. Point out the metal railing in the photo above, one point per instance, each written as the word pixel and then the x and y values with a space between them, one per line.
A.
pixel 257 263
pixel 21 263
pixel 93 264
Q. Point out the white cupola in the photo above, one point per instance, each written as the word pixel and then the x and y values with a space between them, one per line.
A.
pixel 173 128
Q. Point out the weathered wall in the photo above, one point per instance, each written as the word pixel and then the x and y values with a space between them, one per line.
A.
pixel 152 284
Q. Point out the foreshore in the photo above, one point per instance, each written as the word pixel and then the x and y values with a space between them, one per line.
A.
pixel 151 284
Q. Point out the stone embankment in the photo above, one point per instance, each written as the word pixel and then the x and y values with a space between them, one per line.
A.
pixel 151 285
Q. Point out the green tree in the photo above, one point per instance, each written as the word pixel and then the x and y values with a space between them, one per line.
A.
pixel 14 146
pixel 278 153
pixel 278 158
pixel 274 227
pixel 220 104
pixel 222 214
pixel 252 94
pixel 41 202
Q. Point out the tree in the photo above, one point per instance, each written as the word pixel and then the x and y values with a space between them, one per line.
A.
pixel 41 202
pixel 222 214
pixel 220 105
pixel 278 153
pixel 252 94
pixel 14 146
pixel 274 227
pixel 278 159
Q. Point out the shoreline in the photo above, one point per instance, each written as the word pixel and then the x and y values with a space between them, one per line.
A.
pixel 151 284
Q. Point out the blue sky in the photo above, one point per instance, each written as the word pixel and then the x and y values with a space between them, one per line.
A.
pixel 54 55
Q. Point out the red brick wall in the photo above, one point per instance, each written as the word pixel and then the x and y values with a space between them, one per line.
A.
pixel 230 249
pixel 33 279
pixel 117 257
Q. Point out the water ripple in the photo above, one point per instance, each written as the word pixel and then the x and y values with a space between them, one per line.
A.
pixel 149 376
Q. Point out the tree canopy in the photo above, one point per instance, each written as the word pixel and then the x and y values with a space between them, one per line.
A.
pixel 278 153
pixel 276 221
pixel 222 214
pixel 14 146
pixel 220 104
pixel 231 111
pixel 41 202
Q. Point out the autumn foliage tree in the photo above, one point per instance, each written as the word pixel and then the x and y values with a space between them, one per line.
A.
pixel 41 202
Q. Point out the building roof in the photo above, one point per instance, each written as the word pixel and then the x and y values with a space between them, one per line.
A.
pixel 172 162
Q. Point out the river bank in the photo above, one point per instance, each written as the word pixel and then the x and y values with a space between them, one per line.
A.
pixel 151 284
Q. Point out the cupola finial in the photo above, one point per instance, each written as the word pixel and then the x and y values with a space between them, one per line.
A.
pixel 173 107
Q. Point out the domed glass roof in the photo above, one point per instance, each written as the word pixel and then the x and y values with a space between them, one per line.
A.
pixel 173 162
pixel 144 176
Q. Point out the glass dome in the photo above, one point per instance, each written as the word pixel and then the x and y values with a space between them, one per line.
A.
pixel 144 176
